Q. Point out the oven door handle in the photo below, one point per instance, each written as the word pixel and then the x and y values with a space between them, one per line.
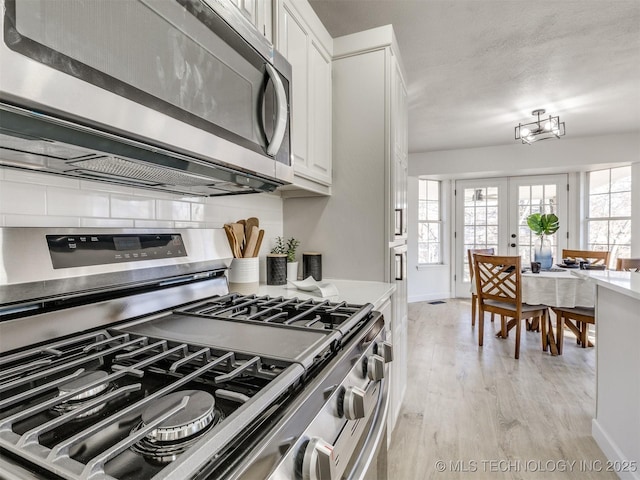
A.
pixel 376 434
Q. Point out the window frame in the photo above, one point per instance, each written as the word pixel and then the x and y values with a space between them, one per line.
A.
pixel 439 222
pixel 588 219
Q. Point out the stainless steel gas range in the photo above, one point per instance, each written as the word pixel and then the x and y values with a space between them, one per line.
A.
pixel 123 355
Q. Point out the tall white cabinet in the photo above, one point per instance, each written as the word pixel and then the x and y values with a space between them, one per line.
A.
pixel 361 228
pixel 308 47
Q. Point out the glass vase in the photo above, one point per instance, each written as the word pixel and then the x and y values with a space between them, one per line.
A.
pixel 543 253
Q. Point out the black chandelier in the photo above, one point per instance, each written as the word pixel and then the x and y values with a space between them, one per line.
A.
pixel 541 129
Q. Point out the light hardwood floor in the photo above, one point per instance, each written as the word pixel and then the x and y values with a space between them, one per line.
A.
pixel 484 414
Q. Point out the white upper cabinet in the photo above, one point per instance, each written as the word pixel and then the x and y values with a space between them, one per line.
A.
pixel 306 44
pixel 259 13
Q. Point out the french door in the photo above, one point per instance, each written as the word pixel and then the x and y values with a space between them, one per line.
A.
pixel 492 213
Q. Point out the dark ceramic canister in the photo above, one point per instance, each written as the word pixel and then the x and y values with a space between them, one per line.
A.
pixel 312 265
pixel 276 269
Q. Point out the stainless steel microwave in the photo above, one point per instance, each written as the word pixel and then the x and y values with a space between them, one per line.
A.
pixel 187 80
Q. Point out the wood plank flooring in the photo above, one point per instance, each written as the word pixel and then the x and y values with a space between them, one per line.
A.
pixel 483 414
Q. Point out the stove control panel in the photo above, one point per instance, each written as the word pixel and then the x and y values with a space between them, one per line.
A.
pixel 85 250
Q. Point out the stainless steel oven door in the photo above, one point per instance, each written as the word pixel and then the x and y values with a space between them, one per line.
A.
pixel 371 462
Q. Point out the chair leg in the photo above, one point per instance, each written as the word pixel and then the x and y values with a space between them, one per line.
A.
pixel 545 338
pixel 474 301
pixel 493 317
pixel 518 329
pixel 560 332
pixel 480 325
pixel 585 337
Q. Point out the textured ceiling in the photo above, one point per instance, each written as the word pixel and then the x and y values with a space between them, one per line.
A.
pixel 475 68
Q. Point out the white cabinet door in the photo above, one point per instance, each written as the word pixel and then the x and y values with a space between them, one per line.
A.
pixel 311 98
pixel 293 39
pixel 318 166
pixel 400 155
pixel 259 13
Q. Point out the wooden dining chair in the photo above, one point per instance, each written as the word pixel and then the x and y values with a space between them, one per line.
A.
pixel 628 264
pixel 592 256
pixel 474 297
pixel 575 319
pixel 499 290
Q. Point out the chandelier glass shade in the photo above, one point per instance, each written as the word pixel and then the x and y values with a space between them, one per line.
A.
pixel 541 129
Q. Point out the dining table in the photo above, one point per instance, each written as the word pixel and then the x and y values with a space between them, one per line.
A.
pixel 556 287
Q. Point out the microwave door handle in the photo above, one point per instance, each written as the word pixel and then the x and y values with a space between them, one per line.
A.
pixel 281 112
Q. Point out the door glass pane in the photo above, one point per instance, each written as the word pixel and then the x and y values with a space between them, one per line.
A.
pixel 480 221
pixel 539 198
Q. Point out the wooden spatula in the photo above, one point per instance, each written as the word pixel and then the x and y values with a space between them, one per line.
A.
pixel 238 231
pixel 252 241
pixel 256 251
pixel 251 222
pixel 231 238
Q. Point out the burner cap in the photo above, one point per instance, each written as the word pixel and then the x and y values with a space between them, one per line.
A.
pixel 83 380
pixel 197 415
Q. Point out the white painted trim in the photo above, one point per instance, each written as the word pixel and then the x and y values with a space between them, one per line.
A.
pixel 612 452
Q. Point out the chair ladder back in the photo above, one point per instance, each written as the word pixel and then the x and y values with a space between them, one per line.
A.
pixel 498 278
pixel 628 264
pixel 592 256
pixel 471 252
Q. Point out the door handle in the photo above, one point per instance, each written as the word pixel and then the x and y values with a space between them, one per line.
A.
pixel 281 112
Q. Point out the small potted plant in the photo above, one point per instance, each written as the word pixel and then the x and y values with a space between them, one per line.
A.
pixel 543 224
pixel 288 248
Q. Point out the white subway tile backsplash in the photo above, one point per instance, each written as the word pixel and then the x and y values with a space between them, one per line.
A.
pixel 153 224
pixel 23 198
pixel 78 203
pixel 173 210
pixel 188 225
pixel 106 223
pixel 38 199
pixel 25 176
pixel 40 221
pixel 105 187
pixel 132 207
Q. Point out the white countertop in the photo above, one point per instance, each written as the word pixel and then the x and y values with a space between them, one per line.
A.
pixel 626 283
pixel 352 291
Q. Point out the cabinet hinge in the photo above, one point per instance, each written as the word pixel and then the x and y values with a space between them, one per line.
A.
pixel 455 234
pixel 454 277
pixel 455 192
pixel 567 187
pixel 567 234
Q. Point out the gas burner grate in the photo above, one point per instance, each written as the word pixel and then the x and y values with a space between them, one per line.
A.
pixel 292 312
pixel 71 407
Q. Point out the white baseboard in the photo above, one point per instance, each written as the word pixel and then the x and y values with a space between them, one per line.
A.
pixel 614 455
pixel 428 297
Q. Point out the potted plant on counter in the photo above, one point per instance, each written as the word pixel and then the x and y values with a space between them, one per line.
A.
pixel 288 248
pixel 543 225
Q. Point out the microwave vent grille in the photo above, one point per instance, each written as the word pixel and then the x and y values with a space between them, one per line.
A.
pixel 119 167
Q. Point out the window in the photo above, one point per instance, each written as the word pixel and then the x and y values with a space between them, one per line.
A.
pixel 609 212
pixel 429 222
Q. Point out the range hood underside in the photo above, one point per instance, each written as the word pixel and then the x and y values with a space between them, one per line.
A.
pixel 46 144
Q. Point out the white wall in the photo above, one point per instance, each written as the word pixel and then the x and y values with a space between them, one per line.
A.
pixel 555 156
pixel 32 199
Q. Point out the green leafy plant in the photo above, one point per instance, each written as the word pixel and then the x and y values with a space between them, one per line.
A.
pixel 543 223
pixel 287 248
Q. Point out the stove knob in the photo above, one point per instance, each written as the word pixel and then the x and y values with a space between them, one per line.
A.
pixel 375 368
pixel 385 350
pixel 317 463
pixel 353 403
